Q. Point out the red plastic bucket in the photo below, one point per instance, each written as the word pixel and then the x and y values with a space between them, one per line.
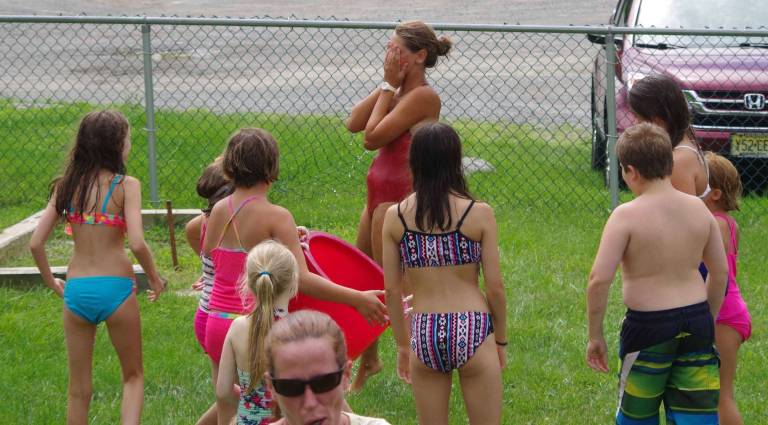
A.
pixel 343 264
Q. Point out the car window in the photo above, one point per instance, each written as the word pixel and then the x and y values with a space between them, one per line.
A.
pixel 619 17
pixel 739 14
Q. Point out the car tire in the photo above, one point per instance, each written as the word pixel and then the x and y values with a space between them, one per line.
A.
pixel 598 139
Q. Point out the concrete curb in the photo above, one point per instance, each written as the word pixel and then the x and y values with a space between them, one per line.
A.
pixel 29 276
pixel 14 240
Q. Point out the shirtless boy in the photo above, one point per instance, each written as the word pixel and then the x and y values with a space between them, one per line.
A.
pixel 660 238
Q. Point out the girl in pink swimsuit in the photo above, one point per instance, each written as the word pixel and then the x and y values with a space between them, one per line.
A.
pixel 213 186
pixel 733 325
pixel 243 220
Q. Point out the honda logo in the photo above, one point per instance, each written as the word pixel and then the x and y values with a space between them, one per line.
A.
pixel 754 101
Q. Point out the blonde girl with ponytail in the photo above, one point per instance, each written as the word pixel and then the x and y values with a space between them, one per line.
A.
pixel 271 279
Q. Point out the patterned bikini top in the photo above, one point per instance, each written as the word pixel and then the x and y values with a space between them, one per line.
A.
pixel 98 218
pixel 420 249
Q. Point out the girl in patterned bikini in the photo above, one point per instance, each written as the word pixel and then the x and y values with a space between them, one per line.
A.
pixel 453 324
pixel 271 279
pixel 243 220
pixel 103 206
pixel 733 325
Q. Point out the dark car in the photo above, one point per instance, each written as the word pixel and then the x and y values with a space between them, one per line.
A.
pixel 724 79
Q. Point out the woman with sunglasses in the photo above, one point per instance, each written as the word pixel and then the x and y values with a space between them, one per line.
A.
pixel 308 371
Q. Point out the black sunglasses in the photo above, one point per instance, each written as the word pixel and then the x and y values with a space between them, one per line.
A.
pixel 319 384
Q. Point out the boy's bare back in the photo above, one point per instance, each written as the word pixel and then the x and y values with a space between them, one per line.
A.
pixel 666 232
pixel 661 237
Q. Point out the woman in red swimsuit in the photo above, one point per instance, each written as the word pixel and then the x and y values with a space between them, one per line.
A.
pixel 403 101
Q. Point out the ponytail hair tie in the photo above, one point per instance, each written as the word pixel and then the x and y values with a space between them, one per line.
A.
pixel 265 273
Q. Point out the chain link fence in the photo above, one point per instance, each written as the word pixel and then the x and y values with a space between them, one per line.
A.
pixel 529 102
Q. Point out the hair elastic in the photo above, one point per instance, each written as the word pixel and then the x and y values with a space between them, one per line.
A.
pixel 265 273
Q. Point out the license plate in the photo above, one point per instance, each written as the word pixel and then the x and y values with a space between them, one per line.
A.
pixel 749 145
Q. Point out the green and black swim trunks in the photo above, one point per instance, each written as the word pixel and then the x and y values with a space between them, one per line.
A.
pixel 668 357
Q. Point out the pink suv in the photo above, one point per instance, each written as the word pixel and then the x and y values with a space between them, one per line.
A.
pixel 724 79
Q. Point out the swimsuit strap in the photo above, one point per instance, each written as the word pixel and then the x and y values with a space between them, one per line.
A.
pixel 115 180
pixel 699 154
pixel 233 213
pixel 703 161
pixel 463 216
pixel 402 219
pixel 203 228
pixel 732 228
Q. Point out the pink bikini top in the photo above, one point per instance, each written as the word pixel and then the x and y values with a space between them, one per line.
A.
pixel 229 266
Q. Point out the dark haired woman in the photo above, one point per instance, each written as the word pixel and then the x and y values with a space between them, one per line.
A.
pixel 101 205
pixel 439 239
pixel 403 101
pixel 659 100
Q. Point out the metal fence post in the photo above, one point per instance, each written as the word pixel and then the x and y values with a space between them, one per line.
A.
pixel 149 108
pixel 610 110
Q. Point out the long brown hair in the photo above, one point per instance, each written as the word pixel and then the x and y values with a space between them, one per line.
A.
pixel 98 146
pixel 435 160
pixel 659 96
pixel 270 271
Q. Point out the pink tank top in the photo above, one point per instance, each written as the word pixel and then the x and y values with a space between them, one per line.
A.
pixel 228 266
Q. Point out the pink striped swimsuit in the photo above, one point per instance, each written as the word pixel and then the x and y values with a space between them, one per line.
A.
pixel 201 314
pixel 225 303
pixel 734 312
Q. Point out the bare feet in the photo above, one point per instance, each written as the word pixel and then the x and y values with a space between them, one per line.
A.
pixel 365 371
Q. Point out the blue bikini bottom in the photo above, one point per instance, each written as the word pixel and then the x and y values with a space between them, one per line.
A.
pixel 95 298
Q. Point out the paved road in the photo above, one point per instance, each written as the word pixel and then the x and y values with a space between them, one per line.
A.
pixel 485 11
pixel 517 77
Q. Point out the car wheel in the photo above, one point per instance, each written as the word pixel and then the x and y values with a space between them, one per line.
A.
pixel 598 140
pixel 607 176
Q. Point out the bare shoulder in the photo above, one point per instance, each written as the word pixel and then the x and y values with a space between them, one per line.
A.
pixel 280 213
pixel 483 210
pixel 686 157
pixel 239 326
pixel 219 208
pixel 194 224
pixel 423 95
pixel 131 183
pixel 391 212
pixel 628 209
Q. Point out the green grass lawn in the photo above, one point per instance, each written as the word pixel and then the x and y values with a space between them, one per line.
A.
pixel 550 208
